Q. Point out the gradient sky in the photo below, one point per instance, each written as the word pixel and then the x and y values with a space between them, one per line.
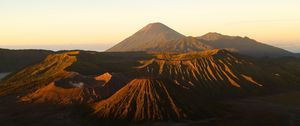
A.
pixel 86 24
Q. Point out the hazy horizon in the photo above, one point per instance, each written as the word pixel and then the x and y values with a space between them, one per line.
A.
pixel 293 47
pixel 71 24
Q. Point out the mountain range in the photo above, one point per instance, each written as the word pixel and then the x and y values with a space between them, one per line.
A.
pixel 159 37
pixel 155 76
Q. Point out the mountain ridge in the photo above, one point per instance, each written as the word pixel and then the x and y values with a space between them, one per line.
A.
pixel 242 45
pixel 159 37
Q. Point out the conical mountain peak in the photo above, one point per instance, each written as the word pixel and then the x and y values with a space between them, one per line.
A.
pixel 156 28
pixel 148 37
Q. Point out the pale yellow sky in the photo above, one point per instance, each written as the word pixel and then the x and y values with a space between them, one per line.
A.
pixel 106 22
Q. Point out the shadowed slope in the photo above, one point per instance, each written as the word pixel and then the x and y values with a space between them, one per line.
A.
pixel 112 83
pixel 13 60
pixel 95 63
pixel 242 45
pixel 185 44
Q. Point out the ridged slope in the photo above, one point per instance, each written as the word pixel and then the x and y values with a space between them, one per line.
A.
pixel 35 76
pixel 77 89
pixel 140 100
pixel 178 86
pixel 213 69
pixel 185 44
pixel 72 89
pixel 55 94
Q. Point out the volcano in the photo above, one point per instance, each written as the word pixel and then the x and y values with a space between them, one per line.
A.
pixel 148 37
pixel 141 99
pixel 165 85
pixel 242 45
pixel 155 75
pixel 160 38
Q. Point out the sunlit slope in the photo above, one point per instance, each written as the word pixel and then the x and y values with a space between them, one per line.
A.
pixel 77 89
pixel 32 77
pixel 74 66
pixel 52 81
pixel 55 94
pixel 212 69
pixel 140 100
pixel 181 86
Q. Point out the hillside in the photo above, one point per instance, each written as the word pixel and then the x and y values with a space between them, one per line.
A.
pixel 141 100
pixel 149 86
pixel 77 89
pixel 65 64
pixel 165 86
pixel 210 70
pixel 50 81
pixel 242 45
pixel 13 60
pixel 95 63
pixel 38 75
pixel 185 44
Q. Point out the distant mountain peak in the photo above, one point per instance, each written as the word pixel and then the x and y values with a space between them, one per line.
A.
pixel 242 45
pixel 213 36
pixel 157 28
pixel 154 25
pixel 150 35
pixel 161 38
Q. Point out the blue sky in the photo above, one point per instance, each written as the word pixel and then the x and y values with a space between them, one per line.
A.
pixel 47 23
